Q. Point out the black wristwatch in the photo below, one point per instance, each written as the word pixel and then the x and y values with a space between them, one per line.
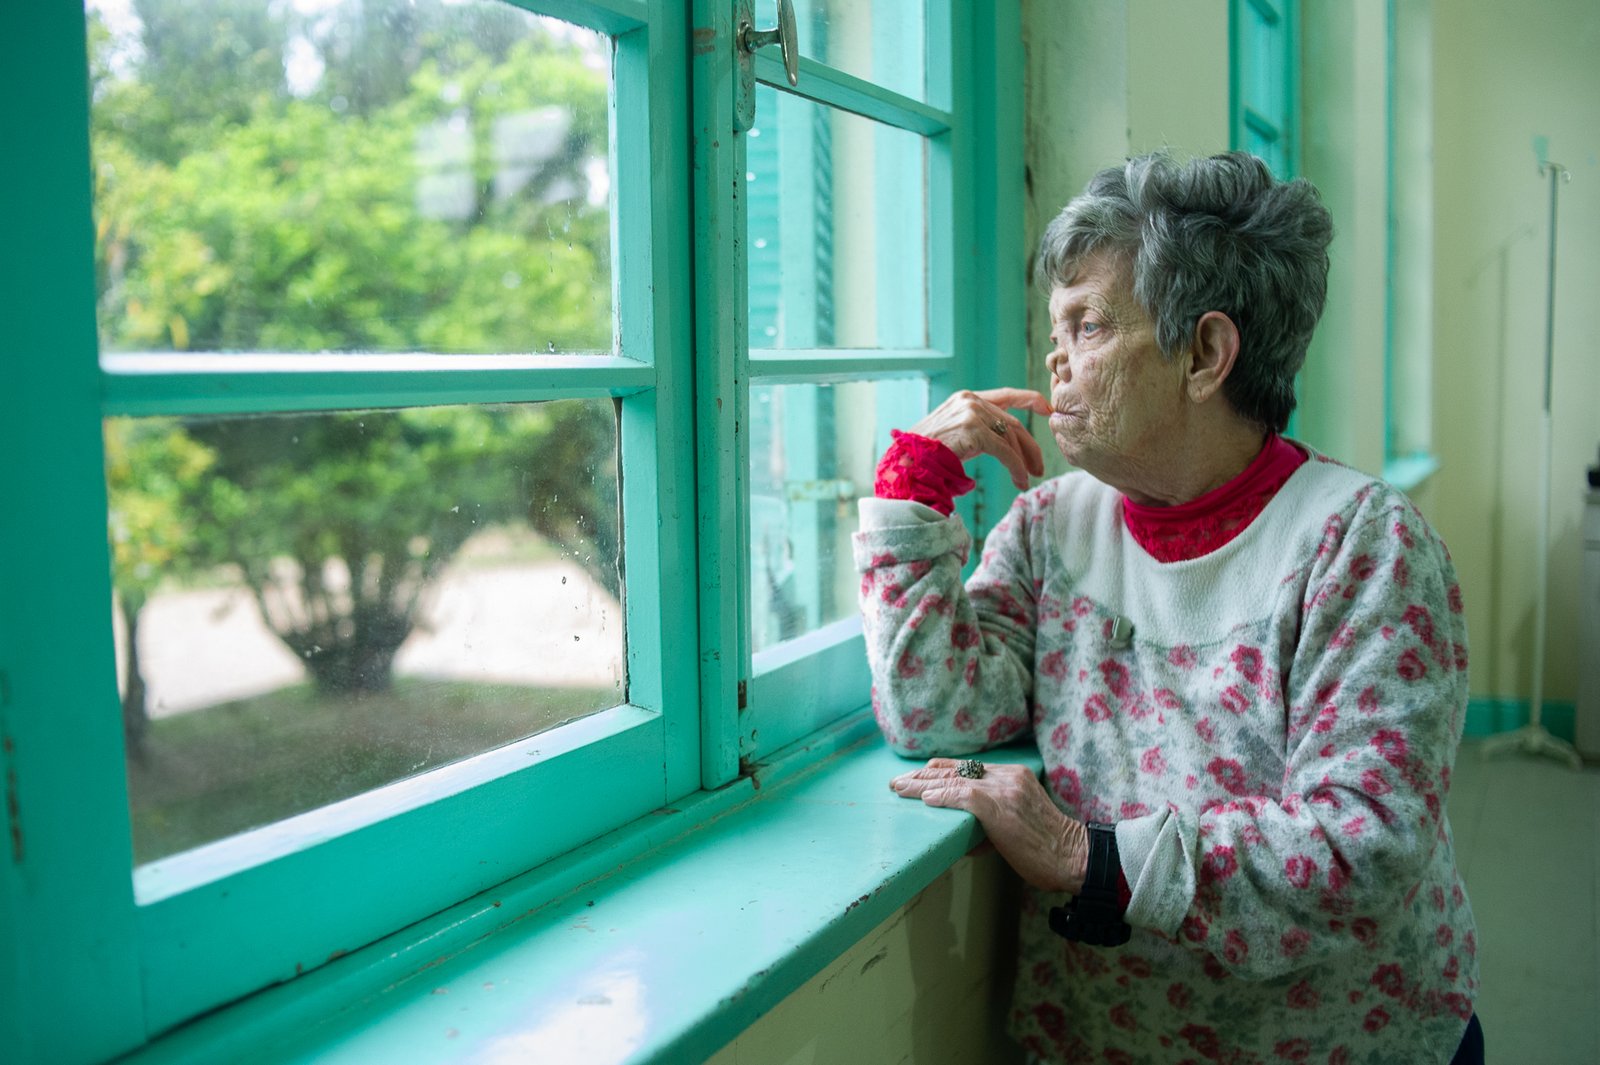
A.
pixel 1094 916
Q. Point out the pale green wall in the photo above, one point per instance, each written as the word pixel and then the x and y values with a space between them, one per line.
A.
pixel 1341 387
pixel 1503 74
pixel 929 985
pixel 1177 75
pixel 1107 79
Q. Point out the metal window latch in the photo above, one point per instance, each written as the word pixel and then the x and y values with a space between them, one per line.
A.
pixel 746 40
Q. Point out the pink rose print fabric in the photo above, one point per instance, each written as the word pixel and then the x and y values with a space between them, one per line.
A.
pixel 1275 748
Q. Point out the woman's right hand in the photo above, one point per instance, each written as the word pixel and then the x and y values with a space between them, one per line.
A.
pixel 980 423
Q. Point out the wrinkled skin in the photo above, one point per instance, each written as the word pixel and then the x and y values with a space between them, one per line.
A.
pixel 1047 848
pixel 1118 402
pixel 980 423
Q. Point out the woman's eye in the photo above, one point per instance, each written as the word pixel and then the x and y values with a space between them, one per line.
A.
pixel 1089 329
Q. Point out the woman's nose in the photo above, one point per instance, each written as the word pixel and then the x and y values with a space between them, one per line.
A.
pixel 1056 363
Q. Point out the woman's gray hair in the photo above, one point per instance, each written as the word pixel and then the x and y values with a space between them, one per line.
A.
pixel 1217 234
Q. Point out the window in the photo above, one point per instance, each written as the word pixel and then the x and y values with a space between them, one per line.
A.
pixel 407 509
pixel 835 221
pixel 847 192
pixel 1264 82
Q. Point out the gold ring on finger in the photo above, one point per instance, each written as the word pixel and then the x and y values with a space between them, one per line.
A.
pixel 999 427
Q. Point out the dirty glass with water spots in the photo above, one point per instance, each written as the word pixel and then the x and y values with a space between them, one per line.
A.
pixel 813 453
pixel 881 41
pixel 837 229
pixel 310 606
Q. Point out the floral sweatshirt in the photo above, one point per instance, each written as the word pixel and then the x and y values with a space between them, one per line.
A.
pixel 1274 744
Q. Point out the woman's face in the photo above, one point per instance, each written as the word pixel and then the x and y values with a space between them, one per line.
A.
pixel 1118 400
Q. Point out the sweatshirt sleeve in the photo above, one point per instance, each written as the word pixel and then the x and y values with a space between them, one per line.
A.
pixel 952 665
pixel 1287 873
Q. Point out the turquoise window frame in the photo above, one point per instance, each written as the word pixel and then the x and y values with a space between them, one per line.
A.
pixel 1264 80
pixel 1390 228
pixel 787 692
pixel 207 926
pixel 100 959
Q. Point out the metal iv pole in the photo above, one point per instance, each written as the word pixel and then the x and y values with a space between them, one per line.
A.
pixel 1534 738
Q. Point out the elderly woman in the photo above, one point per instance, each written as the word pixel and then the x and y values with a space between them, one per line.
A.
pixel 1244 665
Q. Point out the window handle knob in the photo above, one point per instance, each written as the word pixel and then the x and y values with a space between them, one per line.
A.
pixel 784 35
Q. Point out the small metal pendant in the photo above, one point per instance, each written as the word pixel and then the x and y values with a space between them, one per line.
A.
pixel 1121 634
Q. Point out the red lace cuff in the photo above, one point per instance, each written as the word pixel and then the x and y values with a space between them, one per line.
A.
pixel 923 470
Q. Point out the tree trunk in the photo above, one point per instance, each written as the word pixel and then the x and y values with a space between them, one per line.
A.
pixel 135 712
pixel 352 668
pixel 355 655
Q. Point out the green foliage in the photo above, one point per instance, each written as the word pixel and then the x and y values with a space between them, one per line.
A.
pixel 155 474
pixel 299 230
pixel 340 532
pixel 243 207
pixel 155 477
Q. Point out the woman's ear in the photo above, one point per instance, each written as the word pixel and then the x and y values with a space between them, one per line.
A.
pixel 1216 348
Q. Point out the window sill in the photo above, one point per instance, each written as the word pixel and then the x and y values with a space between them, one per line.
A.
pixel 1410 472
pixel 662 942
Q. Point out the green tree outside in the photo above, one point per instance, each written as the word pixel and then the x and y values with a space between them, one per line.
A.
pixel 237 211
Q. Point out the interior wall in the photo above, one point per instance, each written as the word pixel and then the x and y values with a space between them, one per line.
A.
pixel 1107 79
pixel 1344 153
pixel 1504 75
pixel 930 984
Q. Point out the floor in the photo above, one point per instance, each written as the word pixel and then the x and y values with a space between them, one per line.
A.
pixel 1527 833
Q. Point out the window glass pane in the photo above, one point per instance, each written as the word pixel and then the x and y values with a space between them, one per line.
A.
pixel 813 450
pixel 837 229
pixel 310 606
pixel 881 41
pixel 349 175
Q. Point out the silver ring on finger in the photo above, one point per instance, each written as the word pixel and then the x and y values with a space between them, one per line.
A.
pixel 970 768
pixel 999 427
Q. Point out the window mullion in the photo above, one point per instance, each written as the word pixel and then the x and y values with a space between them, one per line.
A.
pixel 183 384
pixel 651 249
pixel 721 396
pixel 69 971
pixel 834 88
pixel 614 17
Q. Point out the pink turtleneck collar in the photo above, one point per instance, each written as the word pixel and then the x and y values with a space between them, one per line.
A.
pixel 1200 526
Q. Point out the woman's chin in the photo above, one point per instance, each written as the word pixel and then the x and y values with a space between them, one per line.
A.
pixel 1068 436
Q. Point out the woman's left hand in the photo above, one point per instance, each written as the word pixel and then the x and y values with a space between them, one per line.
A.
pixel 1047 848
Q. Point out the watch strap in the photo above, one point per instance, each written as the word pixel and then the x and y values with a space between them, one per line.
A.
pixel 1095 915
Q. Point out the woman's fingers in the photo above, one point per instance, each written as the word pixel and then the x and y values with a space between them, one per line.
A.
pixel 977 423
pixel 911 785
pixel 1017 399
pixel 973 423
pixel 1020 452
pixel 1046 847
